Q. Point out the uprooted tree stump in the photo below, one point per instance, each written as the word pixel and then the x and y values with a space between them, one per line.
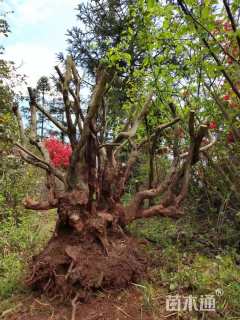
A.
pixel 90 248
pixel 73 264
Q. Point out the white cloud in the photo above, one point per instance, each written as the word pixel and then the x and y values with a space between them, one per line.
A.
pixel 35 60
pixel 34 11
pixel 38 33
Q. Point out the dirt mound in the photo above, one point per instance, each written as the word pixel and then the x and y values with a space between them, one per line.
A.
pixel 72 266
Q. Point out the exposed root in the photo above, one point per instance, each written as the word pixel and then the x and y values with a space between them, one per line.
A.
pixel 74 306
pixel 72 266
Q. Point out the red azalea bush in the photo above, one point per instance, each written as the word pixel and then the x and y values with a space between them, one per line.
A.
pixel 59 152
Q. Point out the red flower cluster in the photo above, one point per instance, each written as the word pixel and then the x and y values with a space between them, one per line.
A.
pixel 212 125
pixel 59 152
pixel 226 97
pixel 227 26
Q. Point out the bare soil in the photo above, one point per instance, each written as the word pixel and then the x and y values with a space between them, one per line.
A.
pixel 127 304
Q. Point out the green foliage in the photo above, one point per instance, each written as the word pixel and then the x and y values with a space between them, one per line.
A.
pixel 4 26
pixel 17 180
pixel 160 231
pixel 11 271
pixel 204 276
pixel 7 123
pixel 18 242
pixel 100 24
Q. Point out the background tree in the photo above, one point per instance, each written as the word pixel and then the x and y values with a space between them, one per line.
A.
pixel 56 108
pixel 101 24
pixel 43 87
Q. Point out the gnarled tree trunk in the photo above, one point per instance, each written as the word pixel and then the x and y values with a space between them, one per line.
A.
pixel 90 248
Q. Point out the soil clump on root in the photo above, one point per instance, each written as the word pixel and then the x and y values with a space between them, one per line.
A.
pixel 73 266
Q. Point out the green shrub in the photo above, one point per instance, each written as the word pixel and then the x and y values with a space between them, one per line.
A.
pixel 162 232
pixel 11 270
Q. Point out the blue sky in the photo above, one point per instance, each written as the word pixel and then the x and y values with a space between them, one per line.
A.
pixel 38 33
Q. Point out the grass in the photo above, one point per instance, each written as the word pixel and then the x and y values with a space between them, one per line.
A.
pixel 18 242
pixel 189 256
pixel 189 259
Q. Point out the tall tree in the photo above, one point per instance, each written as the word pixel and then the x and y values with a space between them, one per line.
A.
pixel 56 108
pixel 43 87
pixel 101 24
